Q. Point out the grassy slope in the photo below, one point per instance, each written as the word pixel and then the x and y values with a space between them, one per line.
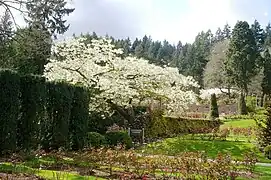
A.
pixel 173 146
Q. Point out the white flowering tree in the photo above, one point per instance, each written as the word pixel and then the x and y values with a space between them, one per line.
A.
pixel 121 82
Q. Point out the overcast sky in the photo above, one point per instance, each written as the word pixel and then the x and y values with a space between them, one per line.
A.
pixel 173 20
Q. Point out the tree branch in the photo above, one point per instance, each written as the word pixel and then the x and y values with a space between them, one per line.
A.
pixel 120 111
pixel 87 80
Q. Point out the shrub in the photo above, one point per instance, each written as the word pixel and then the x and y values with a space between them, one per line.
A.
pixel 59 104
pixel 32 111
pixel 120 137
pixel 264 126
pixel 95 140
pixel 267 151
pixel 242 108
pixel 79 117
pixel 213 107
pixel 251 103
pixel 9 107
pixel 265 101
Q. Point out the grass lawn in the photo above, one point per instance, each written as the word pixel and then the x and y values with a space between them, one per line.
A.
pixel 243 123
pixel 47 174
pixel 173 146
pixel 265 172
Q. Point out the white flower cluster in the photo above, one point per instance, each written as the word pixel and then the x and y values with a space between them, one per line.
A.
pixel 98 64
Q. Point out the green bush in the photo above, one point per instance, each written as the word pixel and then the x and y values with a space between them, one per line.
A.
pixel 213 107
pixel 120 137
pixel 267 151
pixel 59 104
pixel 265 101
pixel 251 103
pixel 95 140
pixel 33 94
pixel 10 108
pixel 79 117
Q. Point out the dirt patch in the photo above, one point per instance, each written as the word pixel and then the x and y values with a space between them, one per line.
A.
pixel 5 176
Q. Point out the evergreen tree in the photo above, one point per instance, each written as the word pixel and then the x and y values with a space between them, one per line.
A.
pixel 227 31
pixel 165 54
pixel 267 35
pixel 242 56
pixel 48 15
pixel 198 56
pixel 5 40
pixel 242 108
pixel 264 126
pixel 32 48
pixel 213 107
pixel 134 45
pixel 182 62
pixel 266 83
pixel 258 34
pixel 142 49
pixel 126 46
pixel 219 36
pixel 139 51
pixel 176 54
pixel 94 35
pixel 153 51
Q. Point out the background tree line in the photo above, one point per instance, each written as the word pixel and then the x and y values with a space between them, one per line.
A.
pixel 230 58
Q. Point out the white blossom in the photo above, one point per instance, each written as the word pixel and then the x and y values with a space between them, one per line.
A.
pixel 98 64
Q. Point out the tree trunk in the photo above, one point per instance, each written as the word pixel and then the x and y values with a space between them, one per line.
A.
pixel 127 115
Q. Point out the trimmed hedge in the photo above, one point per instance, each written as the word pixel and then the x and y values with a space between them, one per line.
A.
pixel 59 105
pixel 33 96
pixel 171 126
pixel 79 118
pixel 37 113
pixel 10 108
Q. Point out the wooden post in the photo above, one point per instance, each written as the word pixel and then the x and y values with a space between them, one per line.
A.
pixel 129 131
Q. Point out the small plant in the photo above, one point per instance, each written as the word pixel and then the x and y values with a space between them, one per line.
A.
pixel 60 175
pixel 267 151
pixel 119 137
pixel 250 161
pixel 95 140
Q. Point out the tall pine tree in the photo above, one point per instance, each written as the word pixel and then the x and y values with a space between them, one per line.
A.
pixel 242 55
pixel 266 83
pixel 227 31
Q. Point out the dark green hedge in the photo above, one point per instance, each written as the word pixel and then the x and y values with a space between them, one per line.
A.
pixel 59 104
pixel 9 109
pixel 33 95
pixel 37 113
pixel 172 126
pixel 79 118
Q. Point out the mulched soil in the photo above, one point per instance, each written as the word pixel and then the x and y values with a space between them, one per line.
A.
pixel 5 176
